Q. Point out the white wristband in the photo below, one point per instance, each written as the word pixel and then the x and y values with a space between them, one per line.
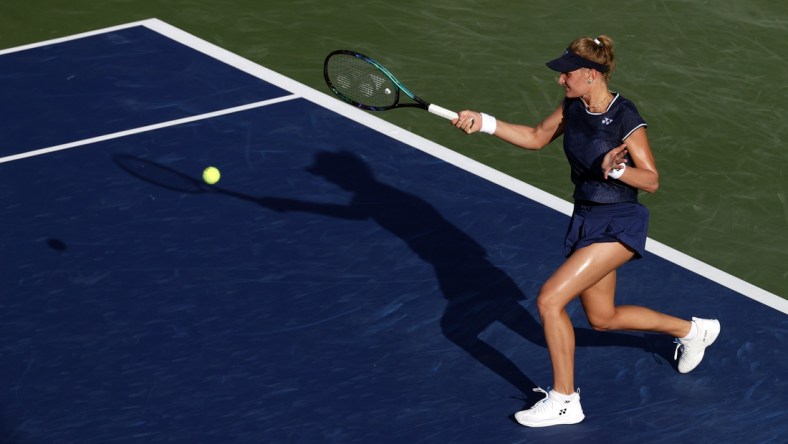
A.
pixel 615 173
pixel 489 124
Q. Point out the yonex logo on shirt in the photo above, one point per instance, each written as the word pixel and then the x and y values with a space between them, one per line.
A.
pixel 607 121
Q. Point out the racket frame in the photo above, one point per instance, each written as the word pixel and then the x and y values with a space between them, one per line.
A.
pixel 418 102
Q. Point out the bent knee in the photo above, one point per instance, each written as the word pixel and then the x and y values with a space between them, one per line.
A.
pixel 602 322
pixel 601 325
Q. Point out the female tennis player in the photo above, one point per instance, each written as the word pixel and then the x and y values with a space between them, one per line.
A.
pixel 610 158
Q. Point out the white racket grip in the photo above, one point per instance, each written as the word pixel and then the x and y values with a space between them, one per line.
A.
pixel 443 112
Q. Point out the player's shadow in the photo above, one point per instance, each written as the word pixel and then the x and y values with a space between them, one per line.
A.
pixel 478 293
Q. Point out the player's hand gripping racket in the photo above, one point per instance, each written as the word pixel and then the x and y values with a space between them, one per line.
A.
pixel 365 83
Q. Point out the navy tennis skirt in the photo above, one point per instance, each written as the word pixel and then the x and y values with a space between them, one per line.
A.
pixel 625 222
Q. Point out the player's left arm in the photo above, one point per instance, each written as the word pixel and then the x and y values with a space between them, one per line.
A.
pixel 642 172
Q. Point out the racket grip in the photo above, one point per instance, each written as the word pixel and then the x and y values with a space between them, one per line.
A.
pixel 443 112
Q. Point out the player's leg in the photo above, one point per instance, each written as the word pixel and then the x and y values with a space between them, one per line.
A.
pixel 692 336
pixel 602 313
pixel 582 270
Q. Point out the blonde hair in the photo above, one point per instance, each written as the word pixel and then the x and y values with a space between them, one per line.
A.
pixel 599 50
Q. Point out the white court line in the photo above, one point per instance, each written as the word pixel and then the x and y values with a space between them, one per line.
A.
pixel 71 37
pixel 432 148
pixel 143 129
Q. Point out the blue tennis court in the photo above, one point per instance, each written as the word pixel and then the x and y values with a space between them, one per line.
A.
pixel 346 281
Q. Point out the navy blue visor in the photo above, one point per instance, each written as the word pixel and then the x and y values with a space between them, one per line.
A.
pixel 570 61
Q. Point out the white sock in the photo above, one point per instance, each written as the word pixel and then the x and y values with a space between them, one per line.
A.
pixel 562 398
pixel 692 333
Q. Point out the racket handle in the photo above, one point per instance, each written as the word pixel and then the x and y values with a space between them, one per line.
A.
pixel 443 112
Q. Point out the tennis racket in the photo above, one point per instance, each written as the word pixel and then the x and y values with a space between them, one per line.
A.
pixel 366 84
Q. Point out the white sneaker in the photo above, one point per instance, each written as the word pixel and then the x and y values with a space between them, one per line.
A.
pixel 549 411
pixel 692 351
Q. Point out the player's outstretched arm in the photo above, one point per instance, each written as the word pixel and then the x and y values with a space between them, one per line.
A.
pixel 523 136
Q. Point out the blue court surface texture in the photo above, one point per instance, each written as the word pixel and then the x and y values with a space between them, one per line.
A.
pixel 340 284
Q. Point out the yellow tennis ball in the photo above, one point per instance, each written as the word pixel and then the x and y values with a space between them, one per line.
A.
pixel 211 175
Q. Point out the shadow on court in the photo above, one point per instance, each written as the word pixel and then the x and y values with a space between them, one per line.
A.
pixel 478 293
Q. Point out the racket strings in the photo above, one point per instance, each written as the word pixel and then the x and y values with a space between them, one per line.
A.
pixel 356 80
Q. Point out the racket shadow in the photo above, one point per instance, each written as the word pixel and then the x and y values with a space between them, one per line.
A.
pixel 170 178
pixel 478 293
